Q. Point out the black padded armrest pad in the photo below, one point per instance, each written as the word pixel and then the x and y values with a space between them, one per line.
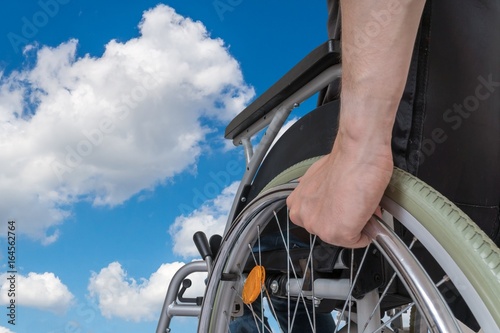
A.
pixel 307 69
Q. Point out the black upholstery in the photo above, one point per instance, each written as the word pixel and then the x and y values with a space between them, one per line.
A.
pixel 308 68
pixel 312 135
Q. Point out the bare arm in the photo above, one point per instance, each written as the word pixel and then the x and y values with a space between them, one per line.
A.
pixel 378 38
pixel 339 193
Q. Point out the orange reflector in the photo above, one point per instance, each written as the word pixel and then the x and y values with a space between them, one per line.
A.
pixel 253 284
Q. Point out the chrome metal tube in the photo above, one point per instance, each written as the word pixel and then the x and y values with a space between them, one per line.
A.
pixel 170 306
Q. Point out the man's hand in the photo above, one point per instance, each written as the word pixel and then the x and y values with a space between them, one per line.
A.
pixel 338 194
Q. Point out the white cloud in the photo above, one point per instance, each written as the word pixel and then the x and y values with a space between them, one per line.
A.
pixel 210 218
pixel 103 129
pixel 121 296
pixel 42 291
pixel 5 330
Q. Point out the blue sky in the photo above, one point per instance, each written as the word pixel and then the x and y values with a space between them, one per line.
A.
pixel 112 116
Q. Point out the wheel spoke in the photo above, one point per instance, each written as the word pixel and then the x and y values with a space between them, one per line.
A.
pixel 295 297
pixel 397 315
pixel 352 283
pixel 291 268
pixel 386 289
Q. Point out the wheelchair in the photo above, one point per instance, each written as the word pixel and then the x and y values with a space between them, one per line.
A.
pixel 387 287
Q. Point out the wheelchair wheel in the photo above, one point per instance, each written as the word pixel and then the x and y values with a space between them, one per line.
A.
pixel 302 281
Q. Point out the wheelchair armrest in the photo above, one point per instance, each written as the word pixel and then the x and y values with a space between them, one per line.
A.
pixel 313 64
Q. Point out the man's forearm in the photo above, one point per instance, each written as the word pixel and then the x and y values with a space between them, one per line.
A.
pixel 338 194
pixel 378 37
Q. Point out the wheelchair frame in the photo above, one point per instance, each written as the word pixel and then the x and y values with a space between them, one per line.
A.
pixel 317 70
